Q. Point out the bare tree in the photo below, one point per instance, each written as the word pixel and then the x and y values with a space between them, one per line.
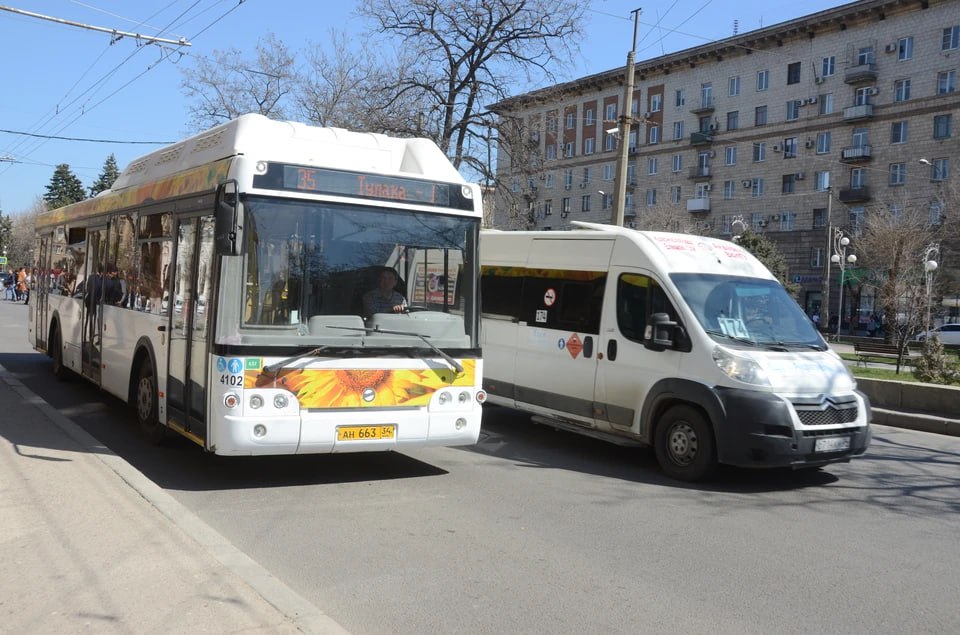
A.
pixel 465 54
pixel 891 247
pixel 227 85
pixel 21 236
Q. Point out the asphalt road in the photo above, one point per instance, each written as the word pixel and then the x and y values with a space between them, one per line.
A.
pixel 540 531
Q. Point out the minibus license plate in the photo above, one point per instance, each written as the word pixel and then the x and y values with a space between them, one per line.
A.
pixel 366 433
pixel 832 444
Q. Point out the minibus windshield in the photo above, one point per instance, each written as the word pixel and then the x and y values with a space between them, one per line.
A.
pixel 742 311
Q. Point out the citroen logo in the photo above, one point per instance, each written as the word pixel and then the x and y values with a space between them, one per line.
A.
pixel 369 394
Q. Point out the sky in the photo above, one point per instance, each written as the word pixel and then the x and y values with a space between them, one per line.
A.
pixel 125 98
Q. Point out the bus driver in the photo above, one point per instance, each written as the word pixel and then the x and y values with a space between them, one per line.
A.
pixel 385 298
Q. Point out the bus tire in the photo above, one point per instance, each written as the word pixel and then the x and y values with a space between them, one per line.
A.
pixel 146 404
pixel 684 444
pixel 56 354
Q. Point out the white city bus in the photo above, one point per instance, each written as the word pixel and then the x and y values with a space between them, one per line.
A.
pixel 217 287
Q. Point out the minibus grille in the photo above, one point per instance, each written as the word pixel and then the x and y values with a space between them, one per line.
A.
pixel 830 415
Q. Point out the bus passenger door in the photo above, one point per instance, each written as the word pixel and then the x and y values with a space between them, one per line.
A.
pixel 91 303
pixel 189 343
pixel 41 286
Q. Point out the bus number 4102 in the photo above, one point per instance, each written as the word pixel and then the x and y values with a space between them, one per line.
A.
pixel 231 380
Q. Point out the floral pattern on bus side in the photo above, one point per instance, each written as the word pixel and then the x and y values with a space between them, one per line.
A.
pixel 343 388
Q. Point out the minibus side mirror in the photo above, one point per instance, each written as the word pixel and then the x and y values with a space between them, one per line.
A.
pixel 229 224
pixel 660 332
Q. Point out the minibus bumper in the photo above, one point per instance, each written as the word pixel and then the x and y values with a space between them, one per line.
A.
pixel 762 430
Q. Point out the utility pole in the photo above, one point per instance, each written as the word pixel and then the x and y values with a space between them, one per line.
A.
pixel 626 121
pixel 827 253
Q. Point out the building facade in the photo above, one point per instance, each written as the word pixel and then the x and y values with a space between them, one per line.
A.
pixel 794 130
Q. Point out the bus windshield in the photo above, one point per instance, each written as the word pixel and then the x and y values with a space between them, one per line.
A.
pixel 317 269
pixel 736 310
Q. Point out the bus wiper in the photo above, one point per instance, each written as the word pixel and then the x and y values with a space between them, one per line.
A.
pixel 454 363
pixel 273 368
pixel 743 340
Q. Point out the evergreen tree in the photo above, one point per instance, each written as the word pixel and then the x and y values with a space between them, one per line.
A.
pixel 933 366
pixel 107 176
pixel 64 188
pixel 766 252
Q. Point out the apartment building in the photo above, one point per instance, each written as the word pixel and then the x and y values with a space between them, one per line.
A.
pixel 791 129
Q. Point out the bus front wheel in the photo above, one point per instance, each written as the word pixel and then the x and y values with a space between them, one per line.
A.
pixel 146 404
pixel 56 354
pixel 684 444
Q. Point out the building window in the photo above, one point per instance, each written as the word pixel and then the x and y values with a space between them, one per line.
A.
pixel 823 142
pixel 793 73
pixel 788 184
pixel 826 104
pixel 822 181
pixel 898 132
pixel 820 219
pixel 565 206
pixel 729 188
pixel 634 107
pixel 901 90
pixel 941 126
pixel 733 86
pixel 632 174
pixel 606 201
pixel 675 194
pixel 946 82
pixel 585 203
pixel 656 102
pixel 677 162
pixel 571 120
pixel 935 213
pixel 651 198
pixel 609 142
pixel 759 151
pixel 607 172
pixel 763 80
pixel 548 208
pixel 816 258
pixel 680 98
pixel 568 150
pixel 551 152
pixel 706 94
pixel 940 170
pixel 828 66
pixel 898 173
pixel 567 179
pixel 760 116
pixel 858 178
pixel 865 56
pixel 652 166
pixel 904 48
pixel 730 155
pixel 611 113
pixel 552 124
pixel 733 120
pixel 756 188
pixel 586 175
pixel 951 38
pixel 790 148
pixel 856 216
pixel 654 134
pixel 757 221
pixel 515 185
pixel 788 221
pixel 548 180
pixel 678 130
pixel 588 144
pixel 862 96
pixel 859 138
pixel 793 110
pixel 589 117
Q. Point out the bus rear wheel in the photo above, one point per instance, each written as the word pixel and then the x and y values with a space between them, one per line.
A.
pixel 146 404
pixel 684 444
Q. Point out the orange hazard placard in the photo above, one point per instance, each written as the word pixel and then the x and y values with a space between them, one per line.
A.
pixel 574 345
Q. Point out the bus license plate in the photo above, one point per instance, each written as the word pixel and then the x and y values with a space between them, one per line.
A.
pixel 832 444
pixel 366 433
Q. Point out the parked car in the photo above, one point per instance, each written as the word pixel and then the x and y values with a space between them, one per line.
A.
pixel 948 333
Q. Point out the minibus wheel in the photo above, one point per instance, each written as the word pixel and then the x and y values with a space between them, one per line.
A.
pixel 146 404
pixel 684 444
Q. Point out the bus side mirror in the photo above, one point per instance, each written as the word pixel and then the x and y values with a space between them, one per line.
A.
pixel 229 225
pixel 660 332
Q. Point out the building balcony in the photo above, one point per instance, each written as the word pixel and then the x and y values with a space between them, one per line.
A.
pixel 701 138
pixel 705 106
pixel 698 204
pixel 855 195
pixel 699 172
pixel 853 113
pixel 630 212
pixel 857 154
pixel 860 73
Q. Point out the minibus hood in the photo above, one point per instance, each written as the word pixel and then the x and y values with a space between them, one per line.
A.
pixel 803 372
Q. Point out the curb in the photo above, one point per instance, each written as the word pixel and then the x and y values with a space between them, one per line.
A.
pixel 307 617
pixel 916 421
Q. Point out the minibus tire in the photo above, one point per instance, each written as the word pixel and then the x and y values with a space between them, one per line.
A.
pixel 56 354
pixel 684 444
pixel 145 404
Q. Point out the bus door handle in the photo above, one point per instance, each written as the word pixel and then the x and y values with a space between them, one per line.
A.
pixel 612 349
pixel 162 328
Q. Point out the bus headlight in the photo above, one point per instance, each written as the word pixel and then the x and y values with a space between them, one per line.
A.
pixel 740 368
pixel 256 402
pixel 444 398
pixel 231 400
pixel 463 397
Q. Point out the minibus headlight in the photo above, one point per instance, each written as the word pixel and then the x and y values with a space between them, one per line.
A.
pixel 740 368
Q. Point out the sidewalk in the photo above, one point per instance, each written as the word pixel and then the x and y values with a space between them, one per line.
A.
pixel 88 543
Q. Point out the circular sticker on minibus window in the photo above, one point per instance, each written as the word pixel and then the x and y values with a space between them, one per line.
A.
pixel 549 297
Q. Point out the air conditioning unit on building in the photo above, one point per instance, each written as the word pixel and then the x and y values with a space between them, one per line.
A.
pixel 778 148
pixel 583 185
pixel 775 217
pixel 810 143
pixel 890 48
pixel 873 91
pixel 647 115
pixel 707 187
pixel 817 80
pixel 800 176
pixel 812 100
pixel 747 183
pixel 713 127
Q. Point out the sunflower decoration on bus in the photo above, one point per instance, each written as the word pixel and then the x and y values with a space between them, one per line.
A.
pixel 344 388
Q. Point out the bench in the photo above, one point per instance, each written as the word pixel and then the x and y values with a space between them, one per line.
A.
pixel 865 350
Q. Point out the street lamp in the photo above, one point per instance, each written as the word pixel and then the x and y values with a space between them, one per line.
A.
pixel 929 266
pixel 841 259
